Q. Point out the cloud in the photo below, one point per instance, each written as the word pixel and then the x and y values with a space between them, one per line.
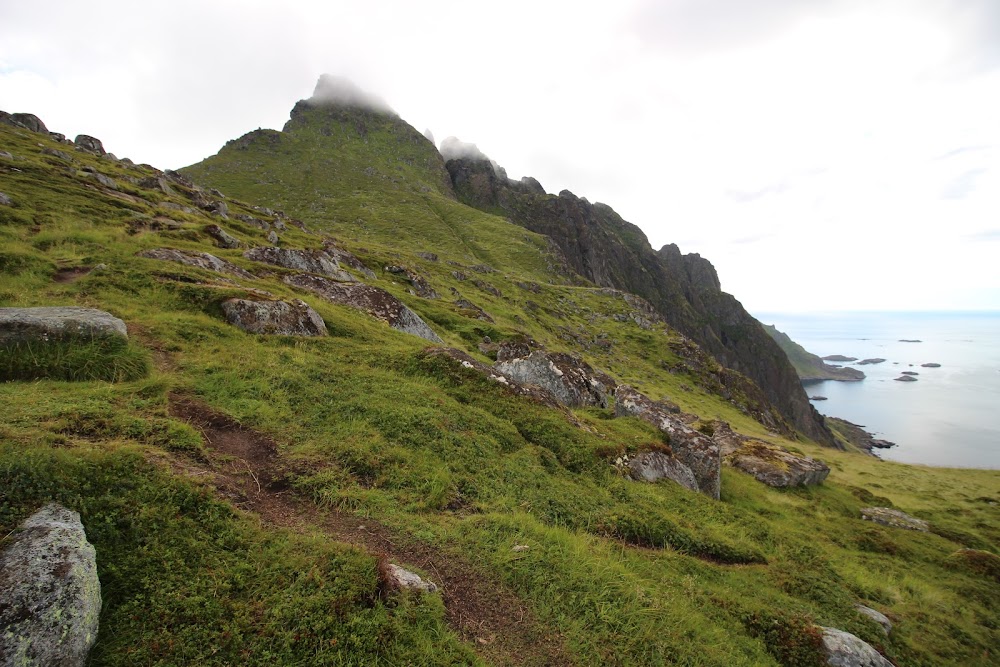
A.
pixel 453 148
pixel 339 90
pixel 987 235
pixel 964 185
pixel 741 196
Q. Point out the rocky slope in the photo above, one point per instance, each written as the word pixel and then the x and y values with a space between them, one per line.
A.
pixel 603 248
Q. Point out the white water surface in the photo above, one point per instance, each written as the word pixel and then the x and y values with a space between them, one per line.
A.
pixel 949 417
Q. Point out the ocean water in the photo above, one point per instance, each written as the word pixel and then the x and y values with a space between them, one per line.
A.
pixel 949 417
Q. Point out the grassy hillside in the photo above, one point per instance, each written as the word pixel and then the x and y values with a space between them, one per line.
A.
pixel 360 447
pixel 809 366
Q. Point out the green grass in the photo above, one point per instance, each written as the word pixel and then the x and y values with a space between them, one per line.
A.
pixel 625 573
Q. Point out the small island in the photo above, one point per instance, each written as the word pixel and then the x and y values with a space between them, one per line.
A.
pixel 905 378
pixel 910 340
pixel 866 362
pixel 817 398
pixel 930 365
pixel 838 357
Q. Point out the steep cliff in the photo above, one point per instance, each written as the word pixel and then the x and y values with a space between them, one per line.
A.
pixel 609 251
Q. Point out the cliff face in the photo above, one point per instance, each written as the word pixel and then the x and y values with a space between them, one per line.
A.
pixel 609 251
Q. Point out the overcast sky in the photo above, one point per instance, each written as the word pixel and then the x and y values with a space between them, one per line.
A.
pixel 823 154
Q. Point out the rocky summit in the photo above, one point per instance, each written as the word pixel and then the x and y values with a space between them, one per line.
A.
pixel 334 395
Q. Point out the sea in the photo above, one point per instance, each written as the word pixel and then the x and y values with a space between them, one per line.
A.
pixel 949 417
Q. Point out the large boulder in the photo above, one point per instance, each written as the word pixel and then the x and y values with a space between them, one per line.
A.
pixel 570 379
pixel 655 466
pixel 223 238
pixel 57 323
pixel 894 518
pixel 274 317
pixel 201 260
pixel 846 650
pixel 50 595
pixel 695 450
pixel 768 463
pixel 311 261
pixel 532 392
pixel 89 143
pixel 376 302
pixel 28 121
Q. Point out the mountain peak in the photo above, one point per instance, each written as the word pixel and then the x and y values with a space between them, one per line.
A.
pixel 333 90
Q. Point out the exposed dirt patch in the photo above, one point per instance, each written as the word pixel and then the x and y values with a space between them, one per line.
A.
pixel 245 467
pixel 71 274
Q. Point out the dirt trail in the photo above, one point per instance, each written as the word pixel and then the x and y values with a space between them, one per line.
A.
pixel 246 468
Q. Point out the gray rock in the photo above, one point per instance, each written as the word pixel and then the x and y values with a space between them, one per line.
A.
pixel 869 362
pixel 50 595
pixel 158 183
pixel 429 256
pixel 219 208
pixel 571 380
pixel 876 616
pixel 202 260
pixel 106 181
pixel 894 518
pixel 5 200
pixel 30 121
pixel 223 238
pixel 402 578
pixel 348 258
pixel 905 378
pixel 695 450
pixel 272 237
pixel 89 143
pixel 252 221
pixel 312 261
pixel 6 156
pixel 376 302
pixel 57 153
pixel 931 365
pixel 654 466
pixel 274 317
pixel 845 650
pixel 768 463
pixel 58 323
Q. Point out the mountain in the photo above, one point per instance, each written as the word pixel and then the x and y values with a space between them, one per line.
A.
pixel 351 169
pixel 808 366
pixel 606 250
pixel 273 404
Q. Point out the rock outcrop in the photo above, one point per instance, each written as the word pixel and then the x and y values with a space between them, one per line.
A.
pixel 201 260
pixel 656 465
pixel 695 450
pixel 809 366
pixel 846 650
pixel 50 595
pixel 376 302
pixel 223 239
pixel 311 261
pixel 274 317
pixel 858 436
pixel 571 380
pixel 532 392
pixel 57 323
pixel 768 463
pixel 89 143
pixel 893 518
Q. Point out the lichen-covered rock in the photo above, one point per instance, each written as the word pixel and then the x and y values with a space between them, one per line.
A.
pixel 106 181
pixel 402 578
pixel 50 595
pixel 845 650
pixel 29 121
pixel 89 143
pixel 570 379
pixel 5 200
pixel 57 323
pixel 531 392
pixel 768 463
pixel 223 238
pixel 376 302
pixel 312 261
pixel 274 317
pixel 695 450
pixel 654 466
pixel 347 258
pixel 893 518
pixel 202 260
pixel 876 616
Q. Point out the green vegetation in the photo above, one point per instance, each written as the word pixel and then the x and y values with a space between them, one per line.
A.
pixel 447 462
pixel 807 365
